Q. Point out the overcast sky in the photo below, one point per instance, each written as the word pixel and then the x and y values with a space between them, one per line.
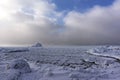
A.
pixel 59 22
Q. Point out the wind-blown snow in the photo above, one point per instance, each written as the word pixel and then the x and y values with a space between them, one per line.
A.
pixel 100 63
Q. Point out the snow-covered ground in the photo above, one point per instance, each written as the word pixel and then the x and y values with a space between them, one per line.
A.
pixel 50 63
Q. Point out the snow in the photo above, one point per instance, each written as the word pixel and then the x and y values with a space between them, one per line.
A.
pixel 13 74
pixel 37 45
pixel 77 63
pixel 20 65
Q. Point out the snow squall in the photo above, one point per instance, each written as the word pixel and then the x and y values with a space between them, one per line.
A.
pixel 100 63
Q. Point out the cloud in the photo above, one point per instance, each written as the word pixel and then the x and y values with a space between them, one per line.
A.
pixel 99 25
pixel 28 21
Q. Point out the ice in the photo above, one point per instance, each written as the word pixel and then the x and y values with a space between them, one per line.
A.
pixel 13 50
pixel 50 63
pixel 13 75
pixel 21 65
pixel 16 68
pixel 37 45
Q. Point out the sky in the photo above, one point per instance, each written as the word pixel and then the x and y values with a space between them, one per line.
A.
pixel 59 22
pixel 80 5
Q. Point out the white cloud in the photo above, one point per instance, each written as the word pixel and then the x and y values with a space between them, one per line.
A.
pixel 28 21
pixel 19 26
pixel 98 25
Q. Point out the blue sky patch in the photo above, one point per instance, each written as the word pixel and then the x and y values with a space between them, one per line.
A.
pixel 80 5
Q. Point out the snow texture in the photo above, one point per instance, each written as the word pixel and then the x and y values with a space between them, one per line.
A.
pixel 37 45
pixel 21 65
pixel 77 63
